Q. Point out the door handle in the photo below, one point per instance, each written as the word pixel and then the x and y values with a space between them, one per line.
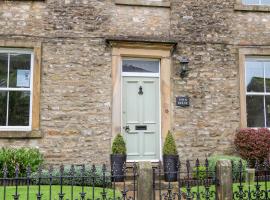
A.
pixel 127 129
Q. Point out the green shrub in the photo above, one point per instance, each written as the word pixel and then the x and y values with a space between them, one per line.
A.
pixel 119 145
pixel 77 180
pixel 23 157
pixel 234 159
pixel 199 172
pixel 169 145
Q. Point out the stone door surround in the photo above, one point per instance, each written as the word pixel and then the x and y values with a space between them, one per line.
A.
pixel 159 50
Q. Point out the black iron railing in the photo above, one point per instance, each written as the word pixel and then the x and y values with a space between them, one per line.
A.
pixel 69 183
pixel 196 182
pixel 251 183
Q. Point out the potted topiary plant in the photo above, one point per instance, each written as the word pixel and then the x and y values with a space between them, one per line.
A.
pixel 118 158
pixel 170 158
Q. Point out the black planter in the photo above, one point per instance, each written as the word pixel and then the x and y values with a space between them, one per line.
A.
pixel 170 164
pixel 117 167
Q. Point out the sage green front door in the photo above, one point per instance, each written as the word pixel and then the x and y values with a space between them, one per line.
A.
pixel 140 117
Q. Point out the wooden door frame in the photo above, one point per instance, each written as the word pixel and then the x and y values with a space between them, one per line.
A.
pixel 160 51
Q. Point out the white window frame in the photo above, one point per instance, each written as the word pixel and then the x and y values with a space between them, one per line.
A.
pixel 260 3
pixel 30 89
pixel 264 93
pixel 140 74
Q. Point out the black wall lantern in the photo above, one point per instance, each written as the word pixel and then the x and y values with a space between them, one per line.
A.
pixel 183 70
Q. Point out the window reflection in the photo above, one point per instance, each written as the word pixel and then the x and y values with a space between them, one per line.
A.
pixel 251 2
pixel 254 77
pixel 265 2
pixel 19 103
pixel 19 72
pixel 267 107
pixel 141 66
pixel 255 111
pixel 3 69
pixel 3 108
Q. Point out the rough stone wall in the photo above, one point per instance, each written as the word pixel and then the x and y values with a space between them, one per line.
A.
pixel 203 31
pixel 76 69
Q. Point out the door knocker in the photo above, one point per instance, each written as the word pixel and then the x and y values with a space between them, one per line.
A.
pixel 140 91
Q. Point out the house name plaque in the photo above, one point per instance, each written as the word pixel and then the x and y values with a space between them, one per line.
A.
pixel 182 101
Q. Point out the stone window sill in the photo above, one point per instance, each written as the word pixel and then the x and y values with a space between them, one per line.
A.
pixel 253 8
pixel 148 3
pixel 20 134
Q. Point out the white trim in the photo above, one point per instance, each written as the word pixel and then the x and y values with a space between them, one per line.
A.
pixel 160 133
pixel 138 74
pixel 16 89
pixel 15 128
pixel 30 89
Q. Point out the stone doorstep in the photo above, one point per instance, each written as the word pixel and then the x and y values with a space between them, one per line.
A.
pixel 129 186
pixel 129 165
pixel 129 174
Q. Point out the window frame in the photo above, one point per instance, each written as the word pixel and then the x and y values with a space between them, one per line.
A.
pixel 140 74
pixel 264 93
pixel 36 49
pixel 259 4
pixel 240 6
pixel 30 89
pixel 245 53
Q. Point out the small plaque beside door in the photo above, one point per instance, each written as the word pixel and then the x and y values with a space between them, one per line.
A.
pixel 182 101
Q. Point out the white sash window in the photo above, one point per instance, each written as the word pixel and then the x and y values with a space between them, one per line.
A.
pixel 16 89
pixel 257 91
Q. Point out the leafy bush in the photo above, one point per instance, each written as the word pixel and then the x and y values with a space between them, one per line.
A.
pixel 119 145
pixel 77 174
pixel 169 145
pixel 253 144
pixel 199 172
pixel 23 157
pixel 234 159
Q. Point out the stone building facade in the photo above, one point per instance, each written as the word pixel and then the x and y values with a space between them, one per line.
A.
pixel 74 44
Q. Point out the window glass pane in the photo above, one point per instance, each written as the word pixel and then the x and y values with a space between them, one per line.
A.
pixel 255 111
pixel 251 2
pixel 267 107
pixel 3 108
pixel 254 76
pixel 265 2
pixel 3 69
pixel 267 76
pixel 19 105
pixel 19 73
pixel 143 66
